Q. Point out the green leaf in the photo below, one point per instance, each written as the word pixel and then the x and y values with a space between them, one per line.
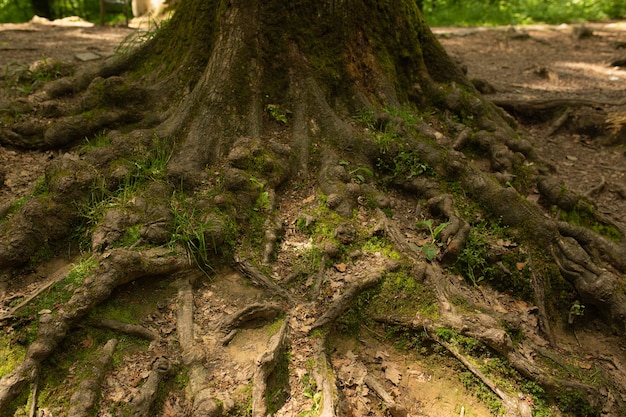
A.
pixel 430 251
pixel 438 229
pixel 425 223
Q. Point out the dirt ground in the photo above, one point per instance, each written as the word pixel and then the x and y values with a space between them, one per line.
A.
pixel 539 62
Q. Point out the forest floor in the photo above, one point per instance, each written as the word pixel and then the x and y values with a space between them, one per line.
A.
pixel 539 62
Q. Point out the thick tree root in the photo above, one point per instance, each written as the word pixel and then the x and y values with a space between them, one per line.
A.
pixel 481 328
pixel 325 382
pixel 83 401
pixel 117 267
pixel 455 234
pixel 261 311
pixel 140 404
pixel 135 330
pixel 339 306
pixel 265 365
pixel 594 284
pixel 193 355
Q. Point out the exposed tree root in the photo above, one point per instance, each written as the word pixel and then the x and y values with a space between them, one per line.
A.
pixel 117 267
pixel 193 355
pixel 141 403
pixel 319 278
pixel 257 277
pixel 595 284
pixel 513 407
pixel 538 284
pixel 135 330
pixel 252 312
pixel 395 409
pixel 395 235
pixel 480 327
pixel 265 365
pixel 230 152
pixel 341 304
pixel 325 382
pixel 83 401
pixel 455 234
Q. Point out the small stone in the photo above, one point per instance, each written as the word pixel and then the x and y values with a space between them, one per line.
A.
pixel 87 56
pixel 331 249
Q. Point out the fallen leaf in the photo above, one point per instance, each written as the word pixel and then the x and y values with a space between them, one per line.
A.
pixel 392 373
pixel 341 267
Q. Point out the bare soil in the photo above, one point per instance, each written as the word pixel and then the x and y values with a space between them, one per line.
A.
pixel 542 62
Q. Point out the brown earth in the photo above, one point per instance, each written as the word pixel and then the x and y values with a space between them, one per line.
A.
pixel 530 63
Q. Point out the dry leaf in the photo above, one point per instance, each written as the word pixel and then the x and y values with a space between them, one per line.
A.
pixel 341 267
pixel 392 373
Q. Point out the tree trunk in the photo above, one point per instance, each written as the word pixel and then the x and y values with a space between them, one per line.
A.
pixel 271 145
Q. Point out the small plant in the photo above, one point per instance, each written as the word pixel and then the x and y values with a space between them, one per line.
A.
pixel 358 174
pixel 366 117
pixel 430 249
pixel 577 310
pixel 311 392
pixel 278 113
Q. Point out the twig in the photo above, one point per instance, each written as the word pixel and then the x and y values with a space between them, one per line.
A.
pixel 59 277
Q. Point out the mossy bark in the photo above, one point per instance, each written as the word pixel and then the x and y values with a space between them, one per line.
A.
pixel 250 97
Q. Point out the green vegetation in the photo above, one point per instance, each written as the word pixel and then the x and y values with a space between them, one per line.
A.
pixel 278 383
pixel 583 215
pixel 519 12
pixel 430 249
pixel 310 391
pixel 61 291
pixel 482 392
pixel 199 232
pixel 16 11
pixel 401 293
pixel 24 78
pixel 490 256
pixel 381 245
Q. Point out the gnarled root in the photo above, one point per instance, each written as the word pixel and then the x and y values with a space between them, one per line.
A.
pixel 341 304
pixel 140 404
pixel 265 365
pixel 259 311
pixel 193 355
pixel 135 330
pixel 117 267
pixel 83 400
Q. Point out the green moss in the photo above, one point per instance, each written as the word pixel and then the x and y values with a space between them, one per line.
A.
pixel 574 403
pixel 11 354
pixel 278 384
pixel 400 293
pixel 381 245
pixel 583 215
pixel 491 256
pixel 60 292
